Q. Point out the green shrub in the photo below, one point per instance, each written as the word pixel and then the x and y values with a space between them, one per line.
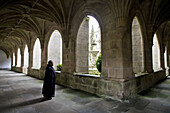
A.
pixel 59 67
pixel 98 63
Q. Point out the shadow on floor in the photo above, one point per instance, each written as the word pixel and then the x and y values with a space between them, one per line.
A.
pixel 21 104
pixel 29 102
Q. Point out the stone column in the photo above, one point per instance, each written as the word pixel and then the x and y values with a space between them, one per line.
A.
pixel 162 63
pixel 43 56
pixel 11 60
pixel 16 56
pixel 119 54
pixel 148 50
pixel 22 58
pixel 30 49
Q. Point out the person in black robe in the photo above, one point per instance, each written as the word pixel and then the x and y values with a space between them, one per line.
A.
pixel 49 81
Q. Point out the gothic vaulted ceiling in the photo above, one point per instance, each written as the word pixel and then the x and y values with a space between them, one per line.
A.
pixel 21 18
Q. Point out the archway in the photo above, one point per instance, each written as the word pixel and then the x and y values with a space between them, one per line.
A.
pixel 88 45
pixel 156 54
pixel 137 47
pixel 19 58
pixel 55 48
pixel 26 59
pixel 37 55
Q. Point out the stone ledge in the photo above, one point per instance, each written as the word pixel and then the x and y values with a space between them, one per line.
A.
pixel 58 72
pixel 86 75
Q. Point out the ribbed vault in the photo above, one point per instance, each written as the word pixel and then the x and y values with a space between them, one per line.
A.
pixel 19 18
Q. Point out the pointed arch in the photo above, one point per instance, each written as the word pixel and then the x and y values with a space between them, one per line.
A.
pixel 156 54
pixel 26 56
pixel 37 54
pixel 137 47
pixel 55 48
pixel 88 45
pixel 19 58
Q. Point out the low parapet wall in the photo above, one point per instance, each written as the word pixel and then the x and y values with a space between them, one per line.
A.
pixel 107 87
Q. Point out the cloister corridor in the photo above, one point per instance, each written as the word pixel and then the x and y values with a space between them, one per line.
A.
pixel 109 56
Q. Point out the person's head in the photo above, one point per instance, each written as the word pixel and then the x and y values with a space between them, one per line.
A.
pixel 50 63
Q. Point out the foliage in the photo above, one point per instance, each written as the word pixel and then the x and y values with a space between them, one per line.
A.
pixel 59 67
pixel 94 72
pixel 87 19
pixel 98 63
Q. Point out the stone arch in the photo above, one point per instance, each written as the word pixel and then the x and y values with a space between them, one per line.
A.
pixel 85 60
pixel 51 29
pixel 26 56
pixel 137 47
pixel 55 48
pixel 106 24
pixel 26 59
pixel 138 13
pixel 156 54
pixel 37 54
pixel 18 57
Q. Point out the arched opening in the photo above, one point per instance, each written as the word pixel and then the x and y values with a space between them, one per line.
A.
pixel 156 54
pixel 165 61
pixel 26 59
pixel 19 58
pixel 5 62
pixel 37 55
pixel 13 59
pixel 88 46
pixel 137 47
pixel 55 48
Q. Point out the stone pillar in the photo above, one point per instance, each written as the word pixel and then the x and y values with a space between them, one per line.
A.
pixel 162 63
pixel 44 56
pixel 119 54
pixel 148 50
pixel 30 49
pixel 22 58
pixel 149 62
pixel 68 52
pixel 16 56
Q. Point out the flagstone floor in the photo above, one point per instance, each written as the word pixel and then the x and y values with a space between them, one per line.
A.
pixel 22 94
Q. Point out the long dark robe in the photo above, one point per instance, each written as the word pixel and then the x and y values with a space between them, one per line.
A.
pixel 49 82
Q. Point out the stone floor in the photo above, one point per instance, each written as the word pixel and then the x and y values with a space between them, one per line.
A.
pixel 22 94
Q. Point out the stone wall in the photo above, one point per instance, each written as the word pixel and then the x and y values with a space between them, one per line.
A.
pixel 109 88
pixel 17 69
pixel 34 73
pixel 145 81
pixel 5 63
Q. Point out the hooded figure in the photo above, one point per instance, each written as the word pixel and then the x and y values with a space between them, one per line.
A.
pixel 49 81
